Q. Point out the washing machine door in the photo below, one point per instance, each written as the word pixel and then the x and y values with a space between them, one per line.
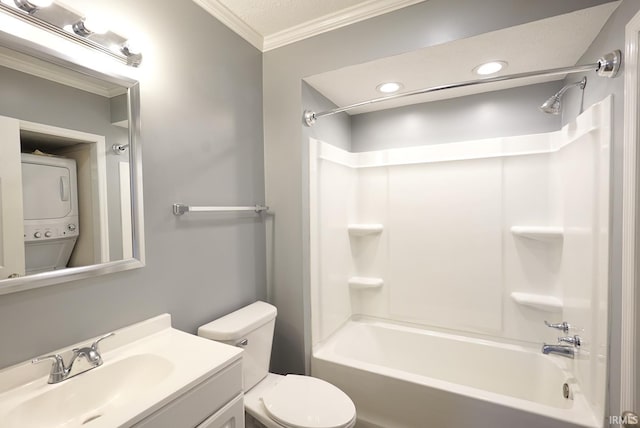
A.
pixel 46 191
pixel 308 402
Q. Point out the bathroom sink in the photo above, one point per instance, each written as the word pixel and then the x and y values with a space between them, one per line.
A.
pixel 89 396
pixel 145 367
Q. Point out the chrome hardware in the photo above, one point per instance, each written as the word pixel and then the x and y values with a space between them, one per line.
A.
pixel 243 342
pixel 571 340
pixel 607 66
pixel 60 372
pixel 564 326
pixel 119 148
pixel 564 350
pixel 180 209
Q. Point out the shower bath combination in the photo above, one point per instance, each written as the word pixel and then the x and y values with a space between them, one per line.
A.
pixel 606 66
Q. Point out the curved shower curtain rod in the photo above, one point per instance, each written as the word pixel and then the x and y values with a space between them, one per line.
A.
pixel 607 66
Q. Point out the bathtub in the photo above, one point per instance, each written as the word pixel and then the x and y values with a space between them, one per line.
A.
pixel 405 377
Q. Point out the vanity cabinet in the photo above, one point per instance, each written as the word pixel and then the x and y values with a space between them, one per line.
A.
pixel 217 402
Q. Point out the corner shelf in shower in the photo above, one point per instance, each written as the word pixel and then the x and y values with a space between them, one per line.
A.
pixel 363 283
pixel 539 233
pixel 538 301
pixel 365 229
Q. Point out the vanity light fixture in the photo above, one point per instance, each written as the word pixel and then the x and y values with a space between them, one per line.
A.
pixel 389 87
pixel 31 6
pixel 89 32
pixel 132 52
pixel 491 67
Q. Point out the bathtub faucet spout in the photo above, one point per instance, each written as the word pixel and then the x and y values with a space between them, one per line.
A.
pixel 564 350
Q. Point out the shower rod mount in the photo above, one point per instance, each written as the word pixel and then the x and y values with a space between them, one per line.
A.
pixel 607 66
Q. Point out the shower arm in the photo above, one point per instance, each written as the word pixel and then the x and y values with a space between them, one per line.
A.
pixel 607 66
pixel 581 84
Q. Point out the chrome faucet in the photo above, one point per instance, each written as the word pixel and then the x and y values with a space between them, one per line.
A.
pixel 564 326
pixel 60 372
pixel 565 350
pixel 569 350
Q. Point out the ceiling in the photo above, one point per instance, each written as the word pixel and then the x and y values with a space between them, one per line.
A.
pixel 269 24
pixel 554 42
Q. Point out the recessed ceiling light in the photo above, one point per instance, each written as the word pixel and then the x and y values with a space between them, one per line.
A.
pixel 389 87
pixel 490 67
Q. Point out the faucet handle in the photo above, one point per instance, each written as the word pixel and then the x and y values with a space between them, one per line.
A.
pixel 564 326
pixel 572 340
pixel 94 345
pixel 58 362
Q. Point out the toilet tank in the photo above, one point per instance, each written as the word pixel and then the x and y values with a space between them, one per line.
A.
pixel 253 324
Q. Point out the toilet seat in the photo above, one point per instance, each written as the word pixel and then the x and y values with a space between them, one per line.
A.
pixel 307 402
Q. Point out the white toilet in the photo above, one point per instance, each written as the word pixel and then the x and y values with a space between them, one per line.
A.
pixel 277 401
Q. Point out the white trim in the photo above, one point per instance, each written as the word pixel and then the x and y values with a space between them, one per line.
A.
pixel 231 20
pixel 333 21
pixel 628 355
pixel 323 24
pixel 35 67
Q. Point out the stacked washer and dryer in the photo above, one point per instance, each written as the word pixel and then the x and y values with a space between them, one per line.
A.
pixel 50 204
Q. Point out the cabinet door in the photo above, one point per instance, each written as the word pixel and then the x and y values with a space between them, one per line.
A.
pixel 11 218
pixel 230 416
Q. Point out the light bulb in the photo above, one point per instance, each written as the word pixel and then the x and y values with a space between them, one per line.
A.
pixel 95 25
pixel 41 3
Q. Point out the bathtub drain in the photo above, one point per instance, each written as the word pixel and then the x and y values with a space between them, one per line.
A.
pixel 566 392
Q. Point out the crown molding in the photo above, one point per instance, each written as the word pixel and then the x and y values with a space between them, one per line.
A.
pixel 323 24
pixel 326 23
pixel 35 67
pixel 228 18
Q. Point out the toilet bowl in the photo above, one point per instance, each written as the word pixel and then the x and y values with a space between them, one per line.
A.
pixel 272 400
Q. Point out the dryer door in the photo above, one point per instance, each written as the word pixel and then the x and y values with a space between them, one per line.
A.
pixel 46 191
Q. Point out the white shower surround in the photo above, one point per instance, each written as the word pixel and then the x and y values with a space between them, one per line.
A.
pixel 446 257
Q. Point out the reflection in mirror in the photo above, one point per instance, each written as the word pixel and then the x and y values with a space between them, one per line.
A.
pixel 68 205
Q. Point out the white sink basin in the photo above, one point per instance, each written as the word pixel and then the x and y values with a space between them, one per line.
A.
pixel 145 367
pixel 87 397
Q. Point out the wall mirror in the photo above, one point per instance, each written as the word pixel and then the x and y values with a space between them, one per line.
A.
pixel 70 169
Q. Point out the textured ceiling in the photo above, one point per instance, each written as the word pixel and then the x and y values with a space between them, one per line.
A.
pixel 269 16
pixel 554 42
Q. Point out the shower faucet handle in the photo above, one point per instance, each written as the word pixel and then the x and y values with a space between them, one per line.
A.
pixel 564 326
pixel 571 340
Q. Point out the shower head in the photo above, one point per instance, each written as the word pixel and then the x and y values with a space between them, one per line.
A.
pixel 552 105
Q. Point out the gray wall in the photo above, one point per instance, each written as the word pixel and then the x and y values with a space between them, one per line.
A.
pixel 286 151
pixel 494 114
pixel 201 105
pixel 611 37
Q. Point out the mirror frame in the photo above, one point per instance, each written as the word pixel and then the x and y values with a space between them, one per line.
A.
pixel 12 285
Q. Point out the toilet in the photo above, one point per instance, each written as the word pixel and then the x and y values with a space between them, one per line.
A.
pixel 272 400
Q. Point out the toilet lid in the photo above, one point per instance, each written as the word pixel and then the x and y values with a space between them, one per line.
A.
pixel 307 402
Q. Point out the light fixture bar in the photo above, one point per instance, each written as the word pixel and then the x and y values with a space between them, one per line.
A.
pixel 607 66
pixel 38 19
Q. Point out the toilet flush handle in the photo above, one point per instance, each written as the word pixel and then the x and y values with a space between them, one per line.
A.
pixel 243 342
